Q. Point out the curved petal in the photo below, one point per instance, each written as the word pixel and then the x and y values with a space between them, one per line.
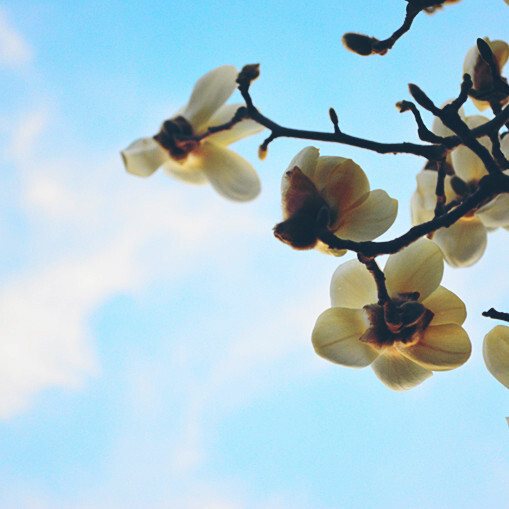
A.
pixel 325 249
pixel 495 351
pixel 466 164
pixel 352 286
pixel 188 171
pixel 441 348
pixel 370 219
pixel 495 213
pixel 306 161
pixel 143 157
pixel 419 213
pixel 342 183
pixel 446 307
pixel 240 130
pixel 230 174
pixel 463 243
pixel 398 372
pixel 336 338
pixel 416 268
pixel 426 187
pixel 210 92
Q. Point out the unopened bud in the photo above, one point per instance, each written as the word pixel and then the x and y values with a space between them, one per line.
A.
pixel 358 43
pixel 262 152
pixel 248 74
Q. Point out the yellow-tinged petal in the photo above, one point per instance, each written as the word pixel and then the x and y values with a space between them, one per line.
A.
pixel 495 351
pixel 240 130
pixel 495 213
pixel 419 213
pixel 143 157
pixel 342 183
pixel 466 164
pixel 336 338
pixel 352 286
pixel 370 219
pixel 306 161
pixel 463 243
pixel 442 347
pixel 230 174
pixel 210 92
pixel 188 172
pixel 416 268
pixel 446 307
pixel 398 372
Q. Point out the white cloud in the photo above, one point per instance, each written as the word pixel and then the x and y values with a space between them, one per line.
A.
pixel 15 52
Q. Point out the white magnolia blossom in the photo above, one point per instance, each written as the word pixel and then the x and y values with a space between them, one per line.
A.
pixel 337 187
pixel 480 72
pixel 208 160
pixel 496 353
pixel 421 332
pixel 463 243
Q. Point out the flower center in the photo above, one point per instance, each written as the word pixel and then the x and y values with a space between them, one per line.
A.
pixel 402 319
pixel 176 136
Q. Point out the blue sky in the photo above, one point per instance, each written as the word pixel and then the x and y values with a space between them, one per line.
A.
pixel 155 347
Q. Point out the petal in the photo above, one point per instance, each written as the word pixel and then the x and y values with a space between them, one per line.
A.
pixel 463 243
pixel 306 161
pixel 442 347
pixel 240 130
pixel 496 212
pixel 230 174
pixel 495 351
pixel 370 219
pixel 352 286
pixel 420 214
pixel 426 187
pixel 466 164
pixel 416 268
pixel 398 372
pixel 446 306
pixel 188 171
pixel 342 183
pixel 209 94
pixel 143 157
pixel 336 338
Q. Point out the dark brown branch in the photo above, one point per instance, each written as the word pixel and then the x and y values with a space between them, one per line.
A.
pixel 440 189
pixel 489 187
pixel 497 315
pixel 378 275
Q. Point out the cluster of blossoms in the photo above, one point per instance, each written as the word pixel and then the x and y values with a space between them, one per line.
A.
pixel 401 322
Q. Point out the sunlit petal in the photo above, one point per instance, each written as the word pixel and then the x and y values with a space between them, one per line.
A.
pixel 231 175
pixel 463 243
pixel 210 92
pixel 398 372
pixel 352 286
pixel 446 306
pixel 370 219
pixel 496 353
pixel 143 157
pixel 306 161
pixel 419 213
pixel 416 268
pixel 441 348
pixel 336 338
pixel 467 165
pixel 188 172
pixel 239 131
pixel 495 213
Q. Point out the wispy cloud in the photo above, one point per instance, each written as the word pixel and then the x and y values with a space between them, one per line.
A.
pixel 15 52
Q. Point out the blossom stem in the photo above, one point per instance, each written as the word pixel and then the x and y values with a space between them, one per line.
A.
pixel 497 315
pixel 378 275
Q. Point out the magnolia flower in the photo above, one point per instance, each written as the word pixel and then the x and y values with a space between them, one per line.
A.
pixel 480 72
pixel 404 340
pixel 198 161
pixel 465 241
pixel 495 351
pixel 333 191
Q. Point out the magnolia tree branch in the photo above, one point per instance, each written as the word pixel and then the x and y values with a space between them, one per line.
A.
pixel 489 187
pixel 497 315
